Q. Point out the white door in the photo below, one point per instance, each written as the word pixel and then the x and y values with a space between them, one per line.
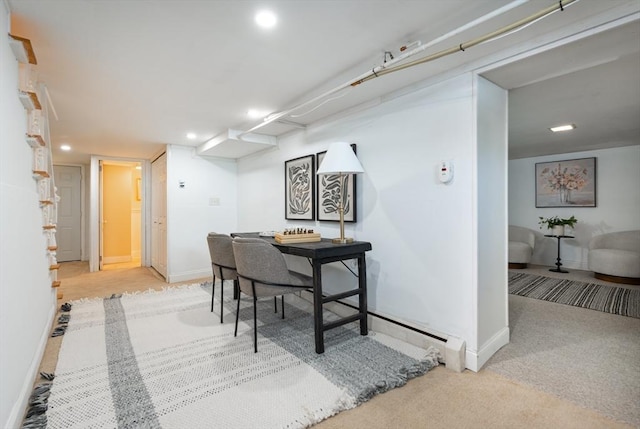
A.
pixel 159 215
pixel 68 230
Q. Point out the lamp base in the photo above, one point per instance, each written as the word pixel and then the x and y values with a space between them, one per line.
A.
pixel 345 240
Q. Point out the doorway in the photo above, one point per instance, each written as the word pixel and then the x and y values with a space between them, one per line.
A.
pixel 120 214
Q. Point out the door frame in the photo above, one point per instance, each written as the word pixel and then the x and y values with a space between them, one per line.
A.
pixel 94 210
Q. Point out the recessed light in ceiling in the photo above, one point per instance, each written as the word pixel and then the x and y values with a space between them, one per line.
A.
pixel 191 136
pixel 255 113
pixel 559 128
pixel 65 147
pixel 266 19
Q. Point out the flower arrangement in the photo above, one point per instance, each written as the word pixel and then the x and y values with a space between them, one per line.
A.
pixel 563 180
pixel 550 222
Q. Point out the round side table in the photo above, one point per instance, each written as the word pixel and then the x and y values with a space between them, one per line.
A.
pixel 558 261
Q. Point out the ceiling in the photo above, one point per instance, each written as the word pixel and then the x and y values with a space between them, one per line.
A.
pixel 127 77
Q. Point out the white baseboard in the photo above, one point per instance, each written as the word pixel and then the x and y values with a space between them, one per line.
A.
pixel 20 406
pixel 476 360
pixel 189 275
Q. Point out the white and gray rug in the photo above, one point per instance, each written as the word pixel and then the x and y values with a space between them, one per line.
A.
pixel 163 360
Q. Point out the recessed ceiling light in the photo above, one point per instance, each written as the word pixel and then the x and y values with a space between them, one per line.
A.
pixel 266 19
pixel 65 147
pixel 191 136
pixel 559 128
pixel 255 113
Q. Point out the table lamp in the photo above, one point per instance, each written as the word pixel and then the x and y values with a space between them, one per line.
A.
pixel 340 159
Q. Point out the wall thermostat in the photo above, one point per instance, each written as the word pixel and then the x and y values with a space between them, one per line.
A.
pixel 445 171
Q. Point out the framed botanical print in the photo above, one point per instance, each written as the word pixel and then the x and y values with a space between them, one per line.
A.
pixel 567 183
pixel 299 187
pixel 330 187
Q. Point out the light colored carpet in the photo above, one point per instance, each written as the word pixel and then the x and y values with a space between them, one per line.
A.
pixel 439 399
pixel 588 357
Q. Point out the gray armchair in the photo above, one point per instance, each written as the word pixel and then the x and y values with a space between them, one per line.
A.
pixel 223 264
pixel 262 272
pixel 615 257
pixel 521 244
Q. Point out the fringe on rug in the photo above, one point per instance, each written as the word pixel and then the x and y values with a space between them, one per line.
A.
pixel 36 417
pixel 429 361
pixel 63 320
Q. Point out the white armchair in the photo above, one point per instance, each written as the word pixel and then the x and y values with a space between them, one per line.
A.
pixel 615 257
pixel 521 244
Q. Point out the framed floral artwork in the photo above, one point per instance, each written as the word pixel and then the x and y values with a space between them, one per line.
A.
pixel 329 192
pixel 568 183
pixel 299 188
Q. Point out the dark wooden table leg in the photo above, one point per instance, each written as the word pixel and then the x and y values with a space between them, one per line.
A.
pixel 362 284
pixel 558 261
pixel 318 321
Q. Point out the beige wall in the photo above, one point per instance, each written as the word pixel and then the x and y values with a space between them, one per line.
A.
pixel 118 196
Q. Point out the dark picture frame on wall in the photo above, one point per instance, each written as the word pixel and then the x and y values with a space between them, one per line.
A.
pixel 329 187
pixel 566 183
pixel 299 188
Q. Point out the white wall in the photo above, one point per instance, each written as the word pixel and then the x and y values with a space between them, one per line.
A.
pixel 617 203
pixel 27 301
pixel 491 212
pixel 190 215
pixel 421 270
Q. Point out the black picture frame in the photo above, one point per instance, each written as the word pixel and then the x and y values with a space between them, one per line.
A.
pixel 299 188
pixel 566 183
pixel 326 202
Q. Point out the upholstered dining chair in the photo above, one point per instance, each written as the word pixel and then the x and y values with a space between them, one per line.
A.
pixel 262 272
pixel 223 264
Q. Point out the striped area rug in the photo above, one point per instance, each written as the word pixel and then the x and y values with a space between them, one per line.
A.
pixel 609 299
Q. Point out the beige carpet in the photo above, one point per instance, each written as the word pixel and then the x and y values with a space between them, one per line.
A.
pixel 440 399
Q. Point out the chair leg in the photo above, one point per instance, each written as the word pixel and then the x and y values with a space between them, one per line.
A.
pixel 221 296
pixel 213 290
pixel 236 289
pixel 275 304
pixel 255 325
pixel 282 304
pixel 235 333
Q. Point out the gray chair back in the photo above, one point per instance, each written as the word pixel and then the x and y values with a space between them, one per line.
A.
pixel 222 258
pixel 259 260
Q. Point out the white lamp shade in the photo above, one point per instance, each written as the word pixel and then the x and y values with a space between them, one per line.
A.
pixel 340 158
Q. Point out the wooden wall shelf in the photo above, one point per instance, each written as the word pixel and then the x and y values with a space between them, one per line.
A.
pixel 29 100
pixel 35 140
pixel 56 283
pixel 48 227
pixel 54 267
pixel 40 174
pixel 22 49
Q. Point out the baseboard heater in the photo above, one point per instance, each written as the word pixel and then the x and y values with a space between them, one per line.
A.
pixel 453 350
